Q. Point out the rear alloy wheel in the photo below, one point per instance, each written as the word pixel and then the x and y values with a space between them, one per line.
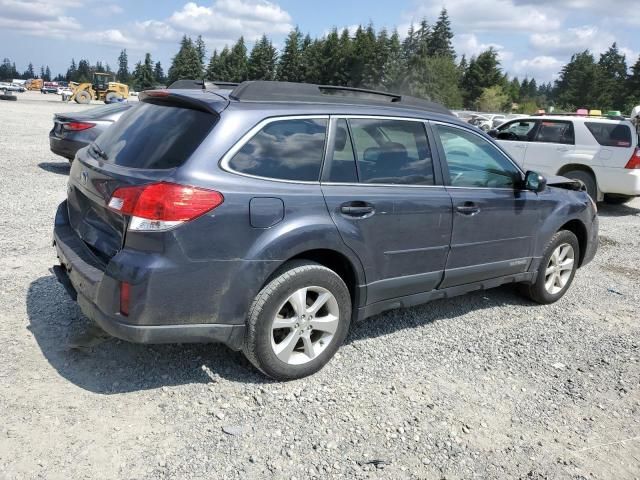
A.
pixel 586 178
pixel 298 321
pixel 112 97
pixel 557 269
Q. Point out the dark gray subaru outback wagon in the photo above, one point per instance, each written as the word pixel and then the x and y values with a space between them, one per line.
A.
pixel 272 216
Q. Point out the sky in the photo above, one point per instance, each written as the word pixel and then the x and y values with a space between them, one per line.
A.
pixel 533 37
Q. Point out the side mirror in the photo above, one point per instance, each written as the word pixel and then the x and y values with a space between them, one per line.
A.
pixel 493 133
pixel 534 181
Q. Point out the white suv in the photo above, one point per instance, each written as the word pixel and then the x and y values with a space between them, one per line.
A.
pixel 602 152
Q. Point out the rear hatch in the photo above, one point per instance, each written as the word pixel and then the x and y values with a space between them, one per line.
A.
pixel 146 145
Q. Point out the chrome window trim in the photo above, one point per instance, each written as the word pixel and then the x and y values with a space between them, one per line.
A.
pixel 464 129
pixel 224 163
pixel 351 184
pixel 377 117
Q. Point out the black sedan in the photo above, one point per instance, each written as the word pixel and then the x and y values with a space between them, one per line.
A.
pixel 75 130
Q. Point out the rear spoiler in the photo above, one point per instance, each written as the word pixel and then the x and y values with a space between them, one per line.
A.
pixel 208 102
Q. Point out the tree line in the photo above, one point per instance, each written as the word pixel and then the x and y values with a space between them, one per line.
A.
pixel 423 64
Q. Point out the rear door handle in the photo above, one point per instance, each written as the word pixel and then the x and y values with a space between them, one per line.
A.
pixel 356 209
pixel 469 208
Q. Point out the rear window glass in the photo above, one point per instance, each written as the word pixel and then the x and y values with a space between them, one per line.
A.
pixel 610 134
pixel 552 131
pixel 154 137
pixel 285 150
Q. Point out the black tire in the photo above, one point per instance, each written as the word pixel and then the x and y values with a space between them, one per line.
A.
pixel 617 199
pixel 293 276
pixel 537 291
pixel 83 97
pixel 587 178
pixel 10 98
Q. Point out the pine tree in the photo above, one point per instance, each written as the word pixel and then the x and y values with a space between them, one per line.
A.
pixel 483 72
pixel 395 67
pixel 524 90
pixel 361 73
pixel 222 71
pixel 237 63
pixel 312 61
pixel 441 36
pixel 84 71
pixel 579 83
pixel 122 75
pixel 47 74
pixel 158 73
pixel 186 64
pixel 42 71
pixel 201 49
pixel 436 78
pixel 262 61
pixel 213 67
pixel 144 78
pixel 613 67
pixel 72 72
pixel 8 70
pixel 29 72
pixel 289 66
pixel 632 87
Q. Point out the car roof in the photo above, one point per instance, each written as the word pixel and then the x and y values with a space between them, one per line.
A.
pixel 579 118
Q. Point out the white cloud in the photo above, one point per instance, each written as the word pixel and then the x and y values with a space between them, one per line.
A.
pixel 468 44
pixel 489 15
pixel 572 40
pixel 39 18
pixel 543 68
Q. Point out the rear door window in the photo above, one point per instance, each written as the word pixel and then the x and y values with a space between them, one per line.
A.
pixel 392 151
pixel 555 131
pixel 153 137
pixel 290 149
pixel 517 130
pixel 610 134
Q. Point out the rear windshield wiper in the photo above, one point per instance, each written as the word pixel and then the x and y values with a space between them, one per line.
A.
pixel 98 151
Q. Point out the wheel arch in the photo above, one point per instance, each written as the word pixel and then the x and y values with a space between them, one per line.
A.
pixel 579 229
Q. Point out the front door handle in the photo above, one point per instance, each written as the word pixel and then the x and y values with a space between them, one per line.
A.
pixel 357 209
pixel 468 208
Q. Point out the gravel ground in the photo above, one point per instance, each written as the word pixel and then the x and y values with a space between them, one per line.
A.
pixel 481 386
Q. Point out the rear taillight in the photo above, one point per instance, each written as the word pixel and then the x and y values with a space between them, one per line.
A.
pixel 78 126
pixel 634 161
pixel 161 206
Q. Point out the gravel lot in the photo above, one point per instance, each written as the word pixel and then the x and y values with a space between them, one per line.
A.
pixel 481 386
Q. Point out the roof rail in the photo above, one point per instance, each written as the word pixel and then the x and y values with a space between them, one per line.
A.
pixel 189 84
pixel 580 115
pixel 270 91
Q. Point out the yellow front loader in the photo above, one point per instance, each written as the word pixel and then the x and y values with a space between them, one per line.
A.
pixel 102 88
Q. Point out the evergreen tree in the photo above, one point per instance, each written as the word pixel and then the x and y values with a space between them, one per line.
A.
pixel 632 87
pixel 144 78
pixel 410 44
pixel 289 66
pixel 222 71
pixel 514 90
pixel 483 72
pixel 395 67
pixel 262 61
pixel 42 71
pixel 72 72
pixel 29 72
pixel 237 62
pixel 493 99
pixel 214 66
pixel 47 74
pixel 201 49
pixel 186 64
pixel 533 89
pixel 333 70
pixel 524 90
pixel 579 83
pixel 441 36
pixel 422 44
pixel 99 67
pixel 436 78
pixel 84 71
pixel 122 75
pixel 312 61
pixel 613 68
pixel 361 68
pixel 158 73
pixel 8 70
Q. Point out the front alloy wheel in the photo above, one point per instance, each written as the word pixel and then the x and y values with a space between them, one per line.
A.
pixel 559 269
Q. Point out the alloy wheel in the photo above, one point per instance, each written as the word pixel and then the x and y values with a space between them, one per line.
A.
pixel 559 268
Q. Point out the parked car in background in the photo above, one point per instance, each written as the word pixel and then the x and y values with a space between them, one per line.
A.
pixel 601 152
pixel 75 130
pixel 11 87
pixel 64 91
pixel 273 216
pixel 487 121
pixel 49 87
